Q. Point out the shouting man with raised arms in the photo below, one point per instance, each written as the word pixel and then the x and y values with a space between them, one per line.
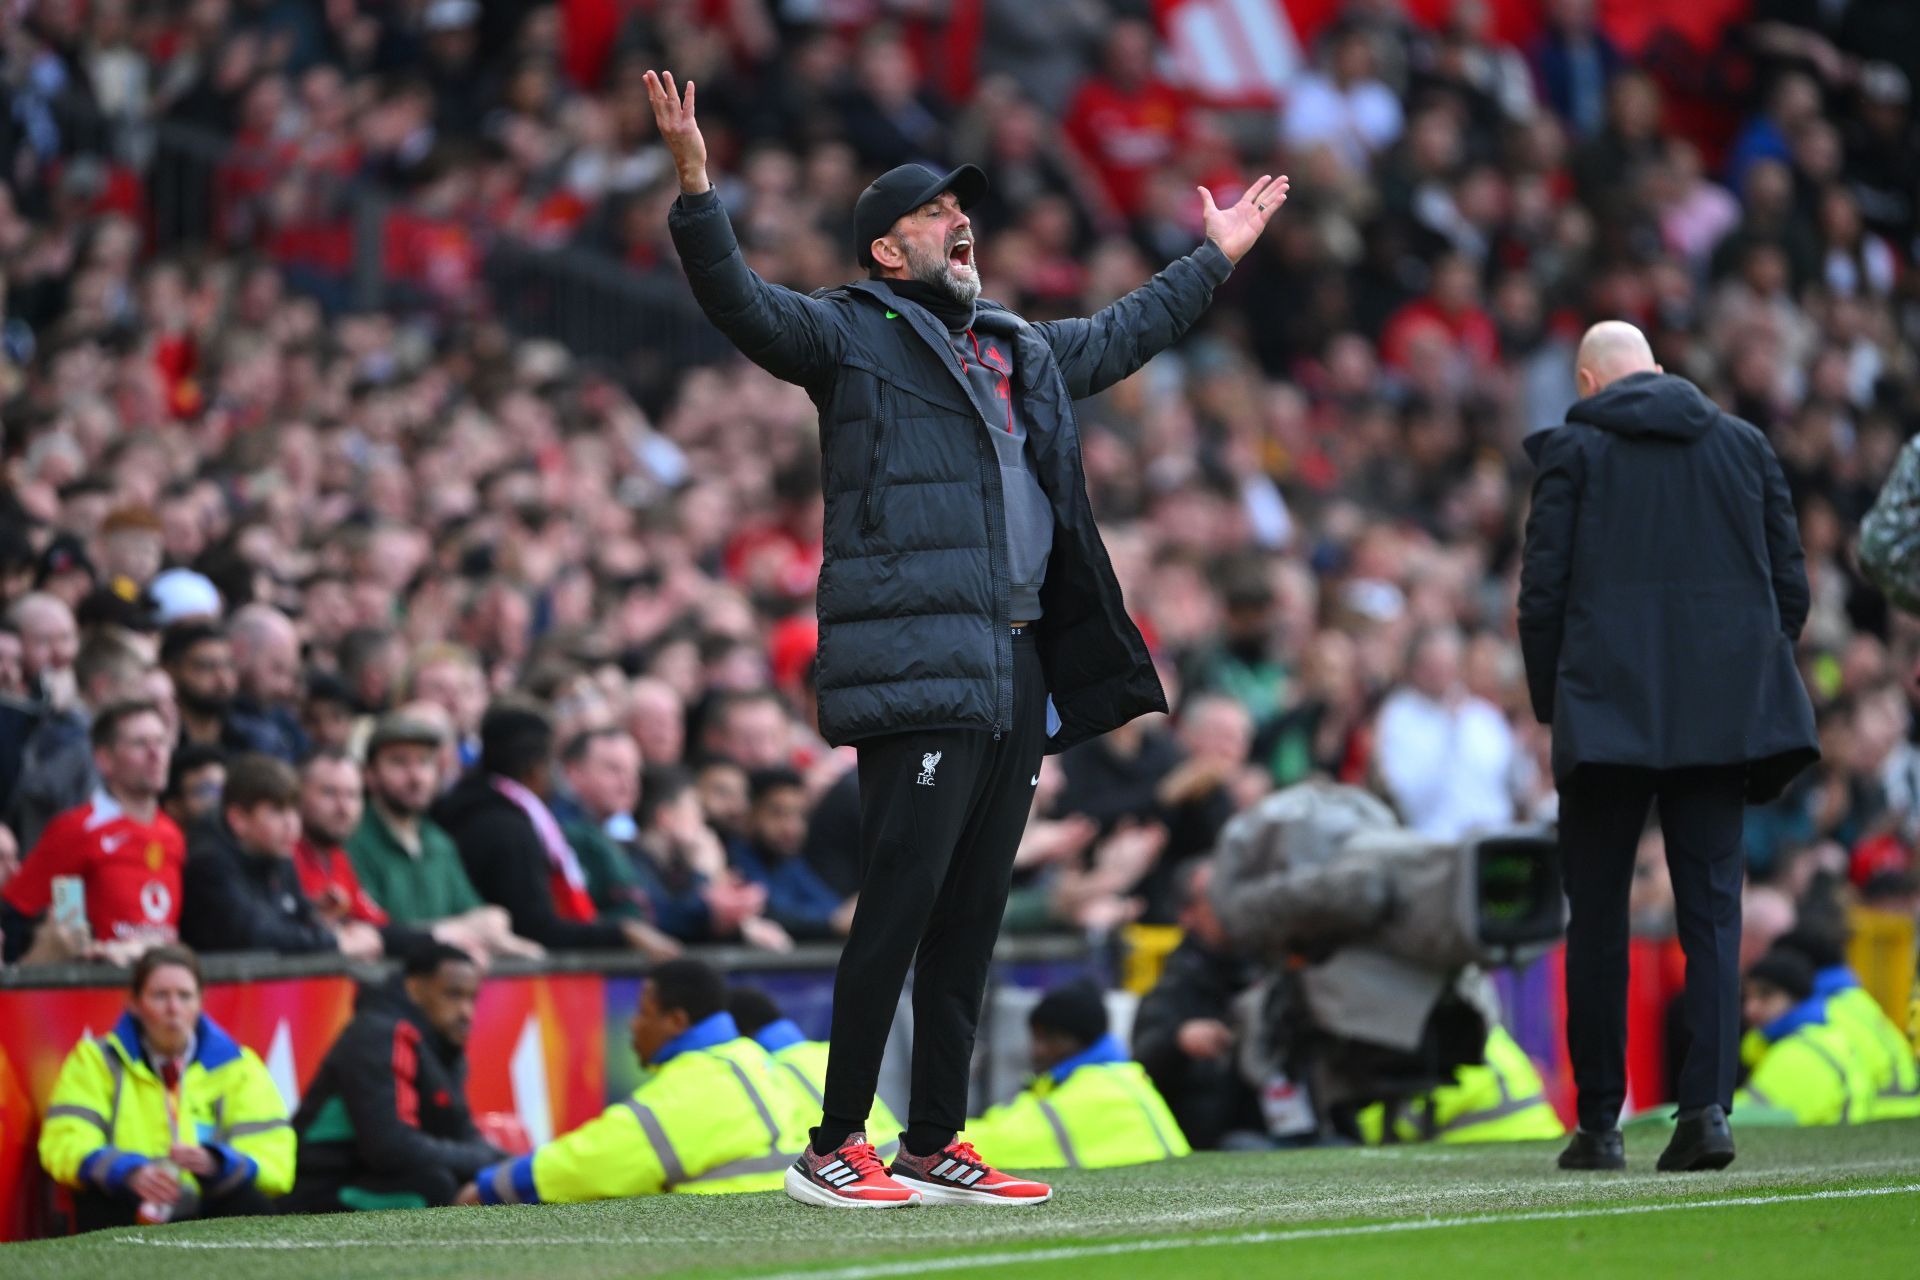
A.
pixel 969 619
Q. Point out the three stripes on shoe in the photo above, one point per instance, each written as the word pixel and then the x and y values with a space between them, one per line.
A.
pixel 957 1171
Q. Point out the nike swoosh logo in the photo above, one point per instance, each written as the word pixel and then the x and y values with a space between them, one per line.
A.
pixel 893 315
pixel 1035 782
pixel 112 843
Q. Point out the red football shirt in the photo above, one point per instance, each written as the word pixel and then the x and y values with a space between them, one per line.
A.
pixel 131 869
pixel 325 869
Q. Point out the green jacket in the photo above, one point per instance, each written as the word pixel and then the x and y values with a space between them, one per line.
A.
pixel 709 1118
pixel 1093 1111
pixel 800 1065
pixel 1499 1100
pixel 1811 1071
pixel 412 890
pixel 616 892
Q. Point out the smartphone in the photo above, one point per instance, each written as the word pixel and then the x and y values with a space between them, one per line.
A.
pixel 70 903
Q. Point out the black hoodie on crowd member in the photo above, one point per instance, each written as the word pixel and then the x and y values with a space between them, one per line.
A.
pixel 1664 589
pixel 386 1117
pixel 508 864
pixel 233 900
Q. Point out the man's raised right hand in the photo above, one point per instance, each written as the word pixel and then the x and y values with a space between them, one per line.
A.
pixel 673 113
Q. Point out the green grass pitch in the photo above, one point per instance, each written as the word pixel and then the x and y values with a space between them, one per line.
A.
pixel 1798 1204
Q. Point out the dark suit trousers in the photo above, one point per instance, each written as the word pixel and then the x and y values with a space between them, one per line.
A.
pixel 1603 809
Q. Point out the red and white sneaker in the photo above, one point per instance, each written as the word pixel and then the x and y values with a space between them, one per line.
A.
pixel 851 1177
pixel 958 1175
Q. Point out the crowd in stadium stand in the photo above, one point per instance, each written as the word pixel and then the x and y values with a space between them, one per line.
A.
pixel 365 625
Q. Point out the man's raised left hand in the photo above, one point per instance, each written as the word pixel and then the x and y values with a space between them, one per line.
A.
pixel 1235 229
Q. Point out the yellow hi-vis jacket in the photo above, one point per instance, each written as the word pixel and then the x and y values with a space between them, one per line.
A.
pixel 108 1115
pixel 1877 1043
pixel 709 1118
pixel 800 1065
pixel 1093 1111
pixel 1810 1070
pixel 1499 1100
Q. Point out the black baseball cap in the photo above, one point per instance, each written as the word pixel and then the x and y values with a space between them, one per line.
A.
pixel 899 191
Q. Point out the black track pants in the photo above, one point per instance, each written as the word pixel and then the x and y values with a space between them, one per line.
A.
pixel 941 816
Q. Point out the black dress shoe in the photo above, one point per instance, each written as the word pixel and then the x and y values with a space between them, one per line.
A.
pixel 1703 1141
pixel 1589 1150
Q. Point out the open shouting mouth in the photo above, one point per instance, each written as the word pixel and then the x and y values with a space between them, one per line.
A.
pixel 960 254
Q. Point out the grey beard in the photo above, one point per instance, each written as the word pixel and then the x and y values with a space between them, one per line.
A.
pixel 937 273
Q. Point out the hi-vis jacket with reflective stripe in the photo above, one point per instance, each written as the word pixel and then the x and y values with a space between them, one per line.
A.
pixel 800 1067
pixel 1500 1100
pixel 108 1114
pixel 1809 1070
pixel 1885 1053
pixel 1093 1111
pixel 710 1118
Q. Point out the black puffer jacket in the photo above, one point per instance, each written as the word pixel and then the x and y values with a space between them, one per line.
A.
pixel 913 597
pixel 1663 589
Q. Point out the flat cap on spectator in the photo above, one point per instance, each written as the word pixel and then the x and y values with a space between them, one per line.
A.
pixel 398 727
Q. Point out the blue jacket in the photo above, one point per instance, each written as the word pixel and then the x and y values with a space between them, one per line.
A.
pixel 798 900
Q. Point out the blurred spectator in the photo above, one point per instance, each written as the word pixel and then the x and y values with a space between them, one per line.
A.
pixel 199 658
pixel 1126 121
pixel 513 848
pixel 406 864
pixel 49 643
pixel 1184 1031
pixel 1446 757
pixel 56 763
pixel 1346 109
pixel 385 1122
pixel 266 662
pixel 331 804
pixel 1575 62
pixel 601 768
pixel 699 896
pixel 448 676
pixel 722 788
pixel 751 729
pixel 888 115
pixel 196 776
pixel 129 902
pixel 798 900
pixel 242 888
pixel 327 713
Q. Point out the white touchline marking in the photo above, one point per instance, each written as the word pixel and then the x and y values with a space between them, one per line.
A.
pixel 876 1271
pixel 1182 1218
pixel 1069 1253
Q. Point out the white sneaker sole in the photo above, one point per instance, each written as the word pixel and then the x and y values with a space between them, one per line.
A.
pixel 933 1193
pixel 800 1187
